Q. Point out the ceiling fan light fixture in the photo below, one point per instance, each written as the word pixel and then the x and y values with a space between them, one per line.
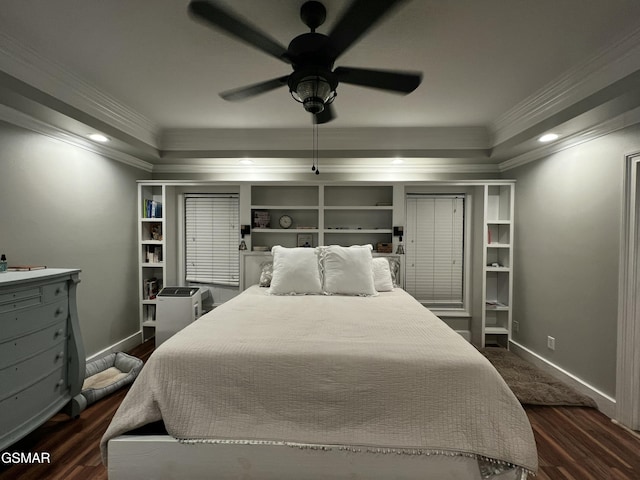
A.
pixel 314 92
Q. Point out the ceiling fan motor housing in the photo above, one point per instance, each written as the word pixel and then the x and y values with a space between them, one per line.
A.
pixel 312 82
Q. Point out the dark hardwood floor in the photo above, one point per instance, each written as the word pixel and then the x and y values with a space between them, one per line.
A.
pixel 573 443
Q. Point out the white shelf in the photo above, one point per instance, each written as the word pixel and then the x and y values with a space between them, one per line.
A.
pixel 498 245
pixel 358 230
pixel 284 230
pixel 497 308
pixel 284 207
pixel 496 331
pixel 366 207
pixel 498 269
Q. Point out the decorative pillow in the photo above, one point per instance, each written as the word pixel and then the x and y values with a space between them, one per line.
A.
pixel 348 270
pixel 295 271
pixel 394 267
pixel 266 273
pixel 382 275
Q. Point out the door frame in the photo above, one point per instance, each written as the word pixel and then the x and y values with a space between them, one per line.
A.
pixel 628 357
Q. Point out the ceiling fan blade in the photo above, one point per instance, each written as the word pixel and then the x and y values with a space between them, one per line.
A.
pixel 219 17
pixel 325 115
pixel 393 80
pixel 243 93
pixel 359 17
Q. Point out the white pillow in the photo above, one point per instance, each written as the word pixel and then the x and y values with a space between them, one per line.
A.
pixel 295 271
pixel 348 270
pixel 382 275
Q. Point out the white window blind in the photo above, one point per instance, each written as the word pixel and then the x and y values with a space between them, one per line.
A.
pixel 435 249
pixel 212 236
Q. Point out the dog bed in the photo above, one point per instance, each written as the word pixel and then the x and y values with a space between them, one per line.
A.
pixel 107 374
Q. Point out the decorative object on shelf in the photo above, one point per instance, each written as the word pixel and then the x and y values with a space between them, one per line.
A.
pixel 156 232
pixel 3 263
pixel 285 221
pixel 242 246
pixel 384 247
pixel 398 232
pixel 261 219
pixel 305 240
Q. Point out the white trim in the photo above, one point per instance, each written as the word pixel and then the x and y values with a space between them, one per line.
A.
pixel 25 121
pixel 605 67
pixel 123 345
pixel 304 166
pixel 606 127
pixel 368 138
pixel 628 368
pixel 29 66
pixel 606 404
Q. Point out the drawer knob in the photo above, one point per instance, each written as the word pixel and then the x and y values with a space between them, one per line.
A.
pixel 60 382
pixel 58 291
pixel 58 311
pixel 60 355
pixel 59 332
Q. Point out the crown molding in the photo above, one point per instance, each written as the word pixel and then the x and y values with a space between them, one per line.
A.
pixel 608 65
pixel 382 167
pixel 255 139
pixel 29 66
pixel 611 125
pixel 27 122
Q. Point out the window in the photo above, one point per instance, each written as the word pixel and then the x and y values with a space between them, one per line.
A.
pixel 211 238
pixel 435 250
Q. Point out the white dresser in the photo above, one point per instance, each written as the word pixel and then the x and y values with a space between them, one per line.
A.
pixel 42 361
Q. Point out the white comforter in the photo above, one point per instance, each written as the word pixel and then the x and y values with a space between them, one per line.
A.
pixel 381 372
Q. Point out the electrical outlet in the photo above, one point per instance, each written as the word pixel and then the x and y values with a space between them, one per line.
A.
pixel 516 326
pixel 551 343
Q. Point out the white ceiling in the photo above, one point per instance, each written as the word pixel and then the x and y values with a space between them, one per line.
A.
pixel 495 72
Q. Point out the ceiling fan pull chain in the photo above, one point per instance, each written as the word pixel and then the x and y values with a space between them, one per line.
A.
pixel 313 148
pixel 315 129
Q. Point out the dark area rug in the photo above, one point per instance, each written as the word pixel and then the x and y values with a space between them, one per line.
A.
pixel 531 385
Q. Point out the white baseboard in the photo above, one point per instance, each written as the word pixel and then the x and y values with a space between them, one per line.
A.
pixel 122 346
pixel 606 404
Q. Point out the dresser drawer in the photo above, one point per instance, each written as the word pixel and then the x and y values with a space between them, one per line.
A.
pixel 16 301
pixel 55 291
pixel 23 406
pixel 14 351
pixel 17 295
pixel 24 321
pixel 16 378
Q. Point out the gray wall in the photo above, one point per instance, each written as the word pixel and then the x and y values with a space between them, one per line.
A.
pixel 567 236
pixel 63 206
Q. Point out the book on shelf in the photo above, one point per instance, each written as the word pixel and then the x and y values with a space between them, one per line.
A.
pixel 25 268
pixel 153 254
pixel 152 209
pixel 151 288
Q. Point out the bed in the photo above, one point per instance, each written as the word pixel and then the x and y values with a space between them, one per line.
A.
pixel 363 384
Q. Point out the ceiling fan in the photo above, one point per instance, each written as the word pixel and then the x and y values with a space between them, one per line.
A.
pixel 312 55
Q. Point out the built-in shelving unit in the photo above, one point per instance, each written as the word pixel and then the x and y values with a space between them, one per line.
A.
pixel 498 264
pixel 152 251
pixel 323 214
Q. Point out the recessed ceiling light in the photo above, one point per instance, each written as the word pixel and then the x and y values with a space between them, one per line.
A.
pixel 97 137
pixel 397 161
pixel 548 137
pixel 246 161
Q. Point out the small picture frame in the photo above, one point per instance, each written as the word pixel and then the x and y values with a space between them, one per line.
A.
pixel 305 240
